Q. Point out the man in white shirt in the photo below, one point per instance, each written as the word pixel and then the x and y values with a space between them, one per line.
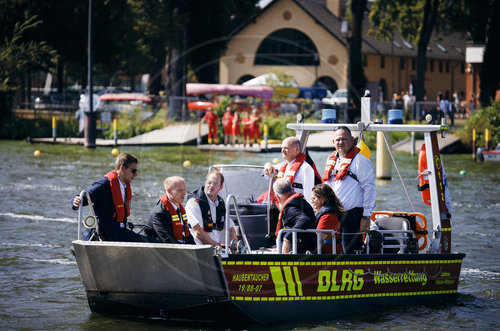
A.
pixel 350 174
pixel 294 168
pixel 206 212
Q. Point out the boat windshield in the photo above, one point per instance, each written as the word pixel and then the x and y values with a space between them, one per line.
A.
pixel 245 182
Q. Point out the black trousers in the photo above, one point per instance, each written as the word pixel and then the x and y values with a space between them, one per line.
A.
pixel 350 224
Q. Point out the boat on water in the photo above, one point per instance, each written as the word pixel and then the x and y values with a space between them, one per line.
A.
pixel 409 261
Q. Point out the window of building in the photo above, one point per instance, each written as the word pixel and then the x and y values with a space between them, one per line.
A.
pixel 462 67
pixel 447 66
pixel 413 64
pixel 365 60
pixel 382 61
pixel 401 63
pixel 440 66
pixel 287 47
pixel 431 65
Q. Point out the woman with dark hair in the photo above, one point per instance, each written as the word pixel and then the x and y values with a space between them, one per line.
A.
pixel 329 212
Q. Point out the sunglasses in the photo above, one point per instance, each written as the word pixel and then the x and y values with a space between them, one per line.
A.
pixel 134 171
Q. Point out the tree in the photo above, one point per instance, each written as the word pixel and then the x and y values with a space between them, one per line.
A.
pixel 490 70
pixel 416 20
pixel 18 57
pixel 479 20
pixel 356 80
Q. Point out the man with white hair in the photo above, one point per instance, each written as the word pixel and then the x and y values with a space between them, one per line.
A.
pixel 295 168
pixel 168 221
pixel 295 213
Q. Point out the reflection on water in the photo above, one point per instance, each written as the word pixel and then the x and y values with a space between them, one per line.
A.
pixel 40 286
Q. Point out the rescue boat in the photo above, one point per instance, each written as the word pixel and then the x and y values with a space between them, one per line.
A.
pixel 409 261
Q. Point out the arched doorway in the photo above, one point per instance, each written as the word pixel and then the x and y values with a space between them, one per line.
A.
pixel 327 82
pixel 244 78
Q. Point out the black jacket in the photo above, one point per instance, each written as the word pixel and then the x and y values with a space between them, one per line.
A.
pixel 159 226
pixel 298 214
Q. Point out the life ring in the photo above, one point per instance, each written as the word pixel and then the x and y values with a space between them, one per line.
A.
pixel 423 176
pixel 420 225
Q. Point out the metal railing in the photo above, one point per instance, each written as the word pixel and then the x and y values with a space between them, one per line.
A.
pixel 402 239
pixel 92 213
pixel 232 198
pixel 317 232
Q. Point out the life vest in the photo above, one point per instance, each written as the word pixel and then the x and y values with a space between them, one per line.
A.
pixel 180 228
pixel 227 119
pixel 344 167
pixel 290 198
pixel 423 186
pixel 255 121
pixel 122 210
pixel 292 171
pixel 208 223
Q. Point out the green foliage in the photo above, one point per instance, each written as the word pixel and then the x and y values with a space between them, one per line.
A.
pixel 22 128
pixel 280 78
pixel 131 124
pixel 277 126
pixel 483 118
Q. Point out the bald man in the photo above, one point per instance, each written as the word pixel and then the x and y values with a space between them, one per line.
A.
pixel 295 168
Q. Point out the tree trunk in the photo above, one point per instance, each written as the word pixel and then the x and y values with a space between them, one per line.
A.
pixel 430 13
pixel 60 74
pixel 356 80
pixel 490 70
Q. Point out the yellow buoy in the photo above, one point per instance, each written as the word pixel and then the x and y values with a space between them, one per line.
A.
pixel 187 163
pixel 276 160
pixel 365 150
pixel 114 151
pixel 37 153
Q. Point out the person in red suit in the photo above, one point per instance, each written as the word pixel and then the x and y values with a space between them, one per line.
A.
pixel 236 133
pixel 211 119
pixel 247 123
pixel 227 123
pixel 255 127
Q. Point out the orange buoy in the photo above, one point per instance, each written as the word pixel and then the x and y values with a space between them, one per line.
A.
pixel 423 186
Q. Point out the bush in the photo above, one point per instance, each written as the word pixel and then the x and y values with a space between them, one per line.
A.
pixel 483 118
pixel 21 128
pixel 131 124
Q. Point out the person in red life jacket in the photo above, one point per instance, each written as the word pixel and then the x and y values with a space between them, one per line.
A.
pixel 329 212
pixel 247 122
pixel 111 197
pixel 236 133
pixel 168 221
pixel 227 123
pixel 211 118
pixel 350 174
pixel 295 213
pixel 206 212
pixel 301 174
pixel 255 126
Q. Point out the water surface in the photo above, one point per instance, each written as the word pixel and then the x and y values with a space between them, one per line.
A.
pixel 40 286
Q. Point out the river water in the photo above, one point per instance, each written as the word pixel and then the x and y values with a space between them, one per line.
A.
pixel 40 286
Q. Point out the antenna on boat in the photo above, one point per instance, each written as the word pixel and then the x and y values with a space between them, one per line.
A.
pixel 366 108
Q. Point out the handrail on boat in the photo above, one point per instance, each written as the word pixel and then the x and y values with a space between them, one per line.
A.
pixel 317 232
pixel 89 202
pixel 240 223
pixel 400 246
